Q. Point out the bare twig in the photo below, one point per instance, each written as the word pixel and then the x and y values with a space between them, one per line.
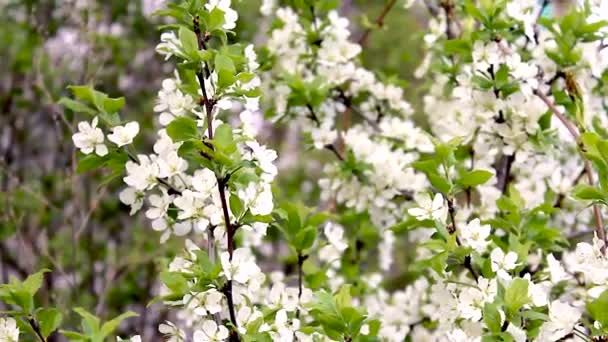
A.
pixel 379 22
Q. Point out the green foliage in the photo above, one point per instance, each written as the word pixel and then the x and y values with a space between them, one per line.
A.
pixel 338 318
pixel 491 317
pixel 570 30
pixel 49 320
pixel 597 310
pixel 92 329
pixel 299 225
pixel 106 107
pixel 516 296
pixel 183 128
pixel 21 293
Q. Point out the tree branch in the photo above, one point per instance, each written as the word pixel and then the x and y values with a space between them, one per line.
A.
pixel 599 224
pixel 36 327
pixel 379 22
pixel 221 182
pixel 467 260
pixel 313 116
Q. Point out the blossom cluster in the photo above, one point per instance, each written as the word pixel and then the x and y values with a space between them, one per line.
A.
pixel 488 199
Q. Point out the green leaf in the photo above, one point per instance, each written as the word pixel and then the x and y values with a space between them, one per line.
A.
pixel 189 41
pixel 474 178
pixel 224 139
pixel 440 183
pixel 90 162
pixel 460 47
pixel 84 93
pixel 73 335
pixel 534 315
pixel 491 317
pixel 216 19
pixel 236 205
pixel 294 222
pixel 343 298
pixel 516 295
pixel 33 283
pixel 106 105
pixel 598 309
pixel 305 238
pixel 182 128
pixel 90 322
pixel 75 106
pixel 225 69
pixel 176 282
pixel 113 105
pixel 49 320
pixel 586 192
pixel 110 326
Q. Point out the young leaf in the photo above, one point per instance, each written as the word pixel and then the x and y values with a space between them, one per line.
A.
pixel 305 238
pixel 189 41
pixel 90 322
pixel 491 317
pixel 49 320
pixel 598 309
pixel 225 69
pixel 182 128
pixel 33 283
pixel 216 19
pixel 475 178
pixel 110 326
pixel 586 192
pixel 224 140
pixel 75 106
pixel 516 295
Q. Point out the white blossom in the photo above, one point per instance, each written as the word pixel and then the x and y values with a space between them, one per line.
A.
pixel 429 209
pixel 9 331
pixel 475 235
pixel 241 268
pixel 90 138
pixel 562 319
pixel 230 15
pixel 123 135
pixel 211 332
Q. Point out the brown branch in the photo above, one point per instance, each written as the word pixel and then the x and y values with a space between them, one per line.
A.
pixel 301 259
pixel 467 260
pixel 599 229
pixel 449 7
pixel 503 172
pixel 379 22
pixel 36 327
pixel 221 182
pixel 313 116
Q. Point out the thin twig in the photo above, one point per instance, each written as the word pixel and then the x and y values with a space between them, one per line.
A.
pixel 599 229
pixel 313 116
pixel 379 22
pixel 467 260
pixel 301 259
pixel 209 104
pixel 36 327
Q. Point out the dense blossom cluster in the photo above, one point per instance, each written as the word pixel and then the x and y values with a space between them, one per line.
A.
pixel 487 202
pixel 490 103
